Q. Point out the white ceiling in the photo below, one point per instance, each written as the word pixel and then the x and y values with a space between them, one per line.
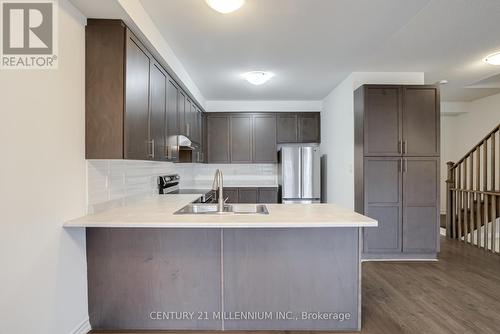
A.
pixel 312 45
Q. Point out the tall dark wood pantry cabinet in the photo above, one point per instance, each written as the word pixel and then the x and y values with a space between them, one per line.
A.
pixel 397 169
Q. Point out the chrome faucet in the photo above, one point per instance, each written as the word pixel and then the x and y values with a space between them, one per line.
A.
pixel 219 184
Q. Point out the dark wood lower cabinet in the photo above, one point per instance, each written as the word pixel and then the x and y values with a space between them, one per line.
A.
pixel 383 201
pixel 403 195
pixel 231 195
pixel 251 195
pixel 143 279
pixel 135 273
pixel 248 195
pixel 268 195
pixel 420 205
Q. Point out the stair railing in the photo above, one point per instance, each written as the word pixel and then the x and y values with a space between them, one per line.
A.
pixel 473 196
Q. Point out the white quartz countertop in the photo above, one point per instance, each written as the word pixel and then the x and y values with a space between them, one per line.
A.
pixel 157 211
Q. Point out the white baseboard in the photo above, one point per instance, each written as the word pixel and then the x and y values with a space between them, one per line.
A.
pixel 82 328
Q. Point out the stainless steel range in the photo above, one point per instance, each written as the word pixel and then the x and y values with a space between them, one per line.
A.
pixel 169 184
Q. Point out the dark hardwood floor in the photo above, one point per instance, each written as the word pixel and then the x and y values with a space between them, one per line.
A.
pixel 458 294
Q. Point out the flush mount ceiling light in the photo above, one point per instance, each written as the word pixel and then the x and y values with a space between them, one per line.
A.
pixel 493 59
pixel 258 77
pixel 225 6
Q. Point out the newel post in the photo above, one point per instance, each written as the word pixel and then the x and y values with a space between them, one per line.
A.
pixel 450 183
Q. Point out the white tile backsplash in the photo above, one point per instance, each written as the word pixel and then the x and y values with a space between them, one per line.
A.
pixel 236 175
pixel 111 181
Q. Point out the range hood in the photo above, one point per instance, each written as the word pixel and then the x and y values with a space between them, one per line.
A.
pixel 185 143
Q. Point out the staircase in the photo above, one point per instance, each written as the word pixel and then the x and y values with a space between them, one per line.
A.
pixel 473 196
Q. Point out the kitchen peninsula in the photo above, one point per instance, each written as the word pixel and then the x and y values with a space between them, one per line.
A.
pixel 296 268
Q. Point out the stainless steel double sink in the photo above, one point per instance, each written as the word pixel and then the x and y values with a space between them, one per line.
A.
pixel 205 208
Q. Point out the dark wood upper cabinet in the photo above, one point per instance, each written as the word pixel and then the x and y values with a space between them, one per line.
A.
pixel 421 121
pixel 248 195
pixel 189 117
pixel 172 119
pixel 383 135
pixel 104 97
pixel 158 106
pixel 298 128
pixel 137 143
pixel 241 138
pixel 287 128
pixel 218 139
pixel 401 120
pixel 181 109
pixel 309 128
pixel 134 109
pixel 253 137
pixel 264 138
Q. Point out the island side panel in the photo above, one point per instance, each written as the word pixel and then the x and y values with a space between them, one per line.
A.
pixel 297 270
pixel 133 272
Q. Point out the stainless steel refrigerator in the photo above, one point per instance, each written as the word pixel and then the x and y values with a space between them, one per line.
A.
pixel 299 174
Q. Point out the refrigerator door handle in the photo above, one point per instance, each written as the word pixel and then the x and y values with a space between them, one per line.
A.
pixel 301 175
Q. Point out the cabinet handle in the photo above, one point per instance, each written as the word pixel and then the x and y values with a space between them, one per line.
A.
pixel 168 152
pixel 405 166
pixel 404 146
pixel 400 146
pixel 152 152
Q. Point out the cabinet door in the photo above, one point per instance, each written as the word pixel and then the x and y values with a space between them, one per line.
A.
pixel 383 196
pixel 203 143
pixel 172 148
pixel 181 109
pixel 241 138
pixel 231 194
pixel 264 138
pixel 294 270
pixel 287 128
pixel 309 128
pixel 137 100
pixel 421 121
pixel 247 195
pixel 158 105
pixel 197 125
pixel 218 139
pixel 191 120
pixel 420 205
pixel 382 121
pixel 268 195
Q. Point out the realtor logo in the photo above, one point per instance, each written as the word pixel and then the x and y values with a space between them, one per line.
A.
pixel 28 34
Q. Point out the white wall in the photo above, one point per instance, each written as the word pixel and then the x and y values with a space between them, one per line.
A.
pixel 463 126
pixel 274 106
pixel 337 130
pixel 481 117
pixel 447 151
pixel 42 178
